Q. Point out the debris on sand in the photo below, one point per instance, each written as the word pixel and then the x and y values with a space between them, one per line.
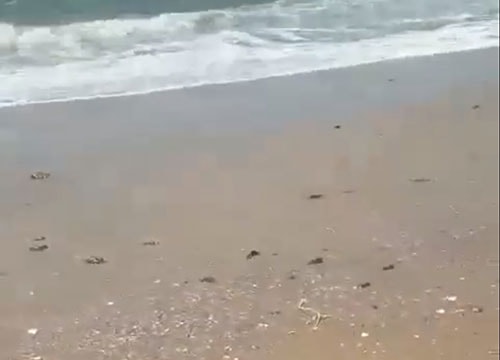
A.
pixel 388 267
pixel 39 248
pixel 252 254
pixel 475 107
pixel 364 285
pixel 40 175
pixel 316 261
pixel 40 238
pixel 292 275
pixel 208 280
pixel 450 298
pixel 95 260
pixel 315 196
pixel 472 308
pixel 420 180
pixel 317 316
pixel 32 331
pixel 337 126
pixel 151 243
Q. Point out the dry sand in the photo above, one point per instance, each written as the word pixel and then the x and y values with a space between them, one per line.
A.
pixel 411 188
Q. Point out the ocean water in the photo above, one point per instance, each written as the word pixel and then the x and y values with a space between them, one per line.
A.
pixel 67 49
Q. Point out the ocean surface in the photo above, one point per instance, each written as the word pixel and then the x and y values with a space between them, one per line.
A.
pixel 67 49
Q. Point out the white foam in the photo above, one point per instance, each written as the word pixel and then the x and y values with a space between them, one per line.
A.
pixel 120 57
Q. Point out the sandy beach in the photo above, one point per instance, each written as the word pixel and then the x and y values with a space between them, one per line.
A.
pixel 346 214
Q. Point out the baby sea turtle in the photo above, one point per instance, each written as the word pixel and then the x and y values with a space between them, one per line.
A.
pixel 38 248
pixel 252 254
pixel 95 260
pixel 40 175
pixel 316 261
pixel 364 285
pixel 420 180
pixel 315 196
pixel 151 243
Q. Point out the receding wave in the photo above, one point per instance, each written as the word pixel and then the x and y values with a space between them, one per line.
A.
pixel 175 50
pixel 39 12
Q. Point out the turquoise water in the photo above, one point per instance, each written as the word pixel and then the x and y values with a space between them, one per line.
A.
pixel 66 49
pixel 64 11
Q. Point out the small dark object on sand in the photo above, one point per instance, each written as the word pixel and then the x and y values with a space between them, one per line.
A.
pixel 39 247
pixel 95 260
pixel 315 196
pixel 40 238
pixel 475 107
pixel 208 279
pixel 391 80
pixel 364 285
pixel 274 254
pixel 275 312
pixel 252 254
pixel 348 191
pixel 388 267
pixel 151 243
pixel 292 275
pixel 375 307
pixel 40 175
pixel 420 180
pixel 477 309
pixel 316 261
pixel 337 126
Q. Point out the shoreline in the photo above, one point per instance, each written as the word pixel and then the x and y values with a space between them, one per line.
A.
pixel 172 189
pixel 243 81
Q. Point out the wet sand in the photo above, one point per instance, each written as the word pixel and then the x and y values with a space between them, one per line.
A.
pixel 174 187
